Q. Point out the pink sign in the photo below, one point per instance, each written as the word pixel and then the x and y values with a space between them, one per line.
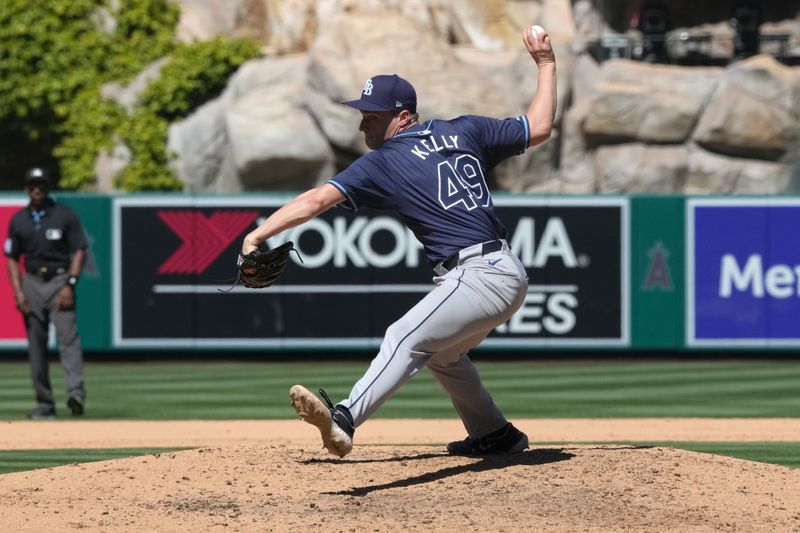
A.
pixel 12 328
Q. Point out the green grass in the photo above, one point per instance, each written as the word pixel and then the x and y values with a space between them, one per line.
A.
pixel 780 453
pixel 533 389
pixel 19 460
pixel 784 453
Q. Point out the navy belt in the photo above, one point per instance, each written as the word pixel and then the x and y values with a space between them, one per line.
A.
pixel 486 248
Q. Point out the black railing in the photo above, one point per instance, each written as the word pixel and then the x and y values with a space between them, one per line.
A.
pixel 694 48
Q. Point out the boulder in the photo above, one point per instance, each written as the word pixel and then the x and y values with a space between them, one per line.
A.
pixel 710 173
pixel 576 163
pixel 486 23
pixel 556 17
pixel 446 86
pixel 516 74
pixel 200 150
pixel 202 20
pixel 127 96
pixel 257 135
pixel 640 168
pixel 108 166
pixel 755 111
pixel 275 143
pixel 649 103
pixel 621 126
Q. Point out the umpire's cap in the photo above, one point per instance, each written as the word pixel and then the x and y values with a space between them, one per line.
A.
pixel 37 175
pixel 387 92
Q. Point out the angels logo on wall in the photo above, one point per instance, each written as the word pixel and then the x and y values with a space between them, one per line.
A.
pixel 657 275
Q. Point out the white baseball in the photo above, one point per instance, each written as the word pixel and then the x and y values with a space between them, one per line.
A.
pixel 536 30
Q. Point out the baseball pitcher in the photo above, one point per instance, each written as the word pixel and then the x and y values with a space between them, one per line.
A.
pixel 433 174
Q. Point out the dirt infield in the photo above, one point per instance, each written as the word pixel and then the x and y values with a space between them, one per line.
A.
pixel 273 476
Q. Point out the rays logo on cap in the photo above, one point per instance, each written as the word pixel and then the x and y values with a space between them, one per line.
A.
pixel 368 87
pixel 386 92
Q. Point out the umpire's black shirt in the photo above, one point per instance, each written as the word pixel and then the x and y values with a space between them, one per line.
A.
pixel 46 238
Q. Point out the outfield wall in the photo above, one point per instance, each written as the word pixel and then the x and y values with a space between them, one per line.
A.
pixel 607 272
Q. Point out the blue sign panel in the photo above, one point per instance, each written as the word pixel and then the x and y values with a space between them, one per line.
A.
pixel 743 261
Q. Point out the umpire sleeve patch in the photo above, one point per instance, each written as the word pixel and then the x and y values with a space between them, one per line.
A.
pixel 7 247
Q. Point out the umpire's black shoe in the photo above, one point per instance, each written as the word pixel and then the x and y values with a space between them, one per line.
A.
pixel 335 424
pixel 507 439
pixel 42 412
pixel 75 405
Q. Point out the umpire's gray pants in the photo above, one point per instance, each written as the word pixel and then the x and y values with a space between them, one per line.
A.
pixel 466 304
pixel 41 296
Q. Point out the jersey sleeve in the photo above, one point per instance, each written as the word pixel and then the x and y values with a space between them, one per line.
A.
pixel 366 183
pixel 12 246
pixel 500 138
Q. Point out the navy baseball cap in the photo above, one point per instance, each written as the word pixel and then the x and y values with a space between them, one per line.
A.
pixel 387 92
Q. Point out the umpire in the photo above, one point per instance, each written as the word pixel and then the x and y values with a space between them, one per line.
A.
pixel 51 239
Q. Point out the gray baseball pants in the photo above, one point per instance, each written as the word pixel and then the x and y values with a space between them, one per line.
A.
pixel 468 302
pixel 41 296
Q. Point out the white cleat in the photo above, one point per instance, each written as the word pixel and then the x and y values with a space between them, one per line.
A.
pixel 335 429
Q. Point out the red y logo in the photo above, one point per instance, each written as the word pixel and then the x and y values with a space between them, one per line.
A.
pixel 204 238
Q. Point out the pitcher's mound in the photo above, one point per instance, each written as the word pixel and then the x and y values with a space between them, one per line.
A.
pixel 379 488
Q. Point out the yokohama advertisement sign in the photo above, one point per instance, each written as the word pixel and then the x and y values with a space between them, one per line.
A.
pixel 174 263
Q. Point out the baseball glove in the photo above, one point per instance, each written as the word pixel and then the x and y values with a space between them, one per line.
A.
pixel 260 268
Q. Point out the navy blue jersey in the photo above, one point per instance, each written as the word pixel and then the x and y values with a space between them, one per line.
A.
pixel 434 176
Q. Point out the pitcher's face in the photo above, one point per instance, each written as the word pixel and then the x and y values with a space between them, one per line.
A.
pixel 378 127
